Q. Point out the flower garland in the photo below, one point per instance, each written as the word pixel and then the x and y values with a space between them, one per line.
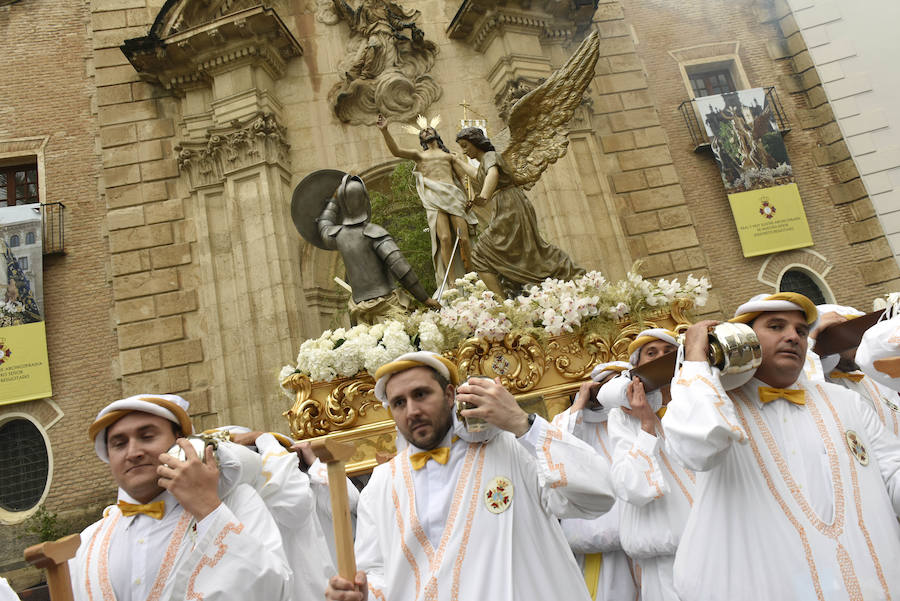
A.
pixel 471 310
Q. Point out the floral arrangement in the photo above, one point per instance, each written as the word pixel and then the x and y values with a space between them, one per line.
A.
pixel 10 313
pixel 471 310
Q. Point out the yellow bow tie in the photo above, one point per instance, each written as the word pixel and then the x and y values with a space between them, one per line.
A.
pixel 845 375
pixel 767 395
pixel 660 412
pixel 155 510
pixel 440 454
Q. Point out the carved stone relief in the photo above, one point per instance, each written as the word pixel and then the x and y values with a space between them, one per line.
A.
pixel 225 150
pixel 387 62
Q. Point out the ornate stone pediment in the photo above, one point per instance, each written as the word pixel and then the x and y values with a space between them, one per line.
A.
pixel 186 47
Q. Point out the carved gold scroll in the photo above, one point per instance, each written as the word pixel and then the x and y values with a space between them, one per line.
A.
pixel 542 373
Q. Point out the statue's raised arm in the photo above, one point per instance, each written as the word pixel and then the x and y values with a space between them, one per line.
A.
pixel 538 121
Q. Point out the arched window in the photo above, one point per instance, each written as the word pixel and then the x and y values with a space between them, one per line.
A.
pixel 14 240
pixel 29 238
pixel 797 280
pixel 24 465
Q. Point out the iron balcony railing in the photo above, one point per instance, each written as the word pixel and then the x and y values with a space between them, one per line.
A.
pixel 699 138
pixel 53 217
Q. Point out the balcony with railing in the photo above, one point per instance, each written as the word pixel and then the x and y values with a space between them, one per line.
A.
pixel 53 228
pixel 700 139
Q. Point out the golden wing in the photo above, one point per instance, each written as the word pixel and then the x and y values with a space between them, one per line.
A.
pixel 537 122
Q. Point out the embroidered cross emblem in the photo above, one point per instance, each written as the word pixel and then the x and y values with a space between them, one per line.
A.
pixel 857 447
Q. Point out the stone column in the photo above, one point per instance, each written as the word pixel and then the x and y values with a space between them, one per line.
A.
pixel 233 159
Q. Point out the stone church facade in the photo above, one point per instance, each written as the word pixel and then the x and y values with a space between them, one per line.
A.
pixel 175 131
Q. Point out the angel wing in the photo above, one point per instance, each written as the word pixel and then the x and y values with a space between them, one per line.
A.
pixel 537 122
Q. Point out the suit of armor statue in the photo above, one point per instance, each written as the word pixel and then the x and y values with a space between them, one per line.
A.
pixel 370 255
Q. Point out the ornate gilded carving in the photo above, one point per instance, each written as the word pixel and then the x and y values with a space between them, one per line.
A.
pixel 225 150
pixel 518 360
pixel 385 69
pixel 344 405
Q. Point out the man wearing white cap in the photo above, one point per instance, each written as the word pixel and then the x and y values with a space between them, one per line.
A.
pixel 842 369
pixel 450 519
pixel 798 480
pixel 878 354
pixel 182 529
pixel 656 491
pixel 608 571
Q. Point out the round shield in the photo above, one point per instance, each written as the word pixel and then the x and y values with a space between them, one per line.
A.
pixel 309 199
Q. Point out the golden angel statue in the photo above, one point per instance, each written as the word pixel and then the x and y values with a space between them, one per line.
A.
pixel 510 251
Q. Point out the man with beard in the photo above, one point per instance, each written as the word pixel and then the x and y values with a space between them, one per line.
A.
pixel 470 515
pixel 798 484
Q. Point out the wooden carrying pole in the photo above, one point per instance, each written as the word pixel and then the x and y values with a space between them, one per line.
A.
pixel 54 556
pixel 335 454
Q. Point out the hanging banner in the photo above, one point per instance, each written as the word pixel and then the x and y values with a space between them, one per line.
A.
pixel 24 368
pixel 756 171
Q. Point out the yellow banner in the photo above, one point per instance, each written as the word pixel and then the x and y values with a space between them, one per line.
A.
pixel 770 220
pixel 24 369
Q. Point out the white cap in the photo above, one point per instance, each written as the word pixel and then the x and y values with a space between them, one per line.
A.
pixel 169 406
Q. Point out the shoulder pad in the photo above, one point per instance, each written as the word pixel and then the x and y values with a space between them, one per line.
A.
pixel 332 230
pixel 373 230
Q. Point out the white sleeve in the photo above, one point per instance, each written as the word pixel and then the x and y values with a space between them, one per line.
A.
pixel 615 393
pixel 285 489
pixel 598 535
pixel 573 478
pixel 700 421
pixel 571 422
pixel 367 547
pixel 885 448
pixel 636 471
pixel 240 553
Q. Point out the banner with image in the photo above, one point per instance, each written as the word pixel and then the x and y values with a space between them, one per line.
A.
pixel 24 368
pixel 756 171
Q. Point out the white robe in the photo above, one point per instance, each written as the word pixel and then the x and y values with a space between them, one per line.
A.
pixel 235 552
pixel 657 493
pixel 616 581
pixel 451 547
pixel 883 400
pixel 784 511
pixel 318 481
pixel 287 494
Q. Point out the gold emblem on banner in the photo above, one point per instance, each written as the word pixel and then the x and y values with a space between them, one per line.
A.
pixel 498 494
pixel 857 447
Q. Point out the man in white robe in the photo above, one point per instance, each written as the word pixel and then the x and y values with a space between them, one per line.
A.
pixel 798 481
pixel 842 369
pixel 289 497
pixel 656 491
pixel 448 519
pixel 608 571
pixel 182 529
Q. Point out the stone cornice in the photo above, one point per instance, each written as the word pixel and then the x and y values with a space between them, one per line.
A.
pixel 476 20
pixel 182 59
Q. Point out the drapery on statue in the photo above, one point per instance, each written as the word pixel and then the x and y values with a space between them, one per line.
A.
pixel 370 254
pixel 386 64
pixel 441 196
pixel 510 252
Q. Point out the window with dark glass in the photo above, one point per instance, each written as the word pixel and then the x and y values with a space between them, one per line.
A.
pixel 24 465
pixel 14 240
pixel 23 263
pixel 795 280
pixel 18 185
pixel 707 83
pixel 29 238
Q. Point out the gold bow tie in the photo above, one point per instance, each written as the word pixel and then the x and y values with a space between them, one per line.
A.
pixel 767 395
pixel 440 454
pixel 845 375
pixel 155 510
